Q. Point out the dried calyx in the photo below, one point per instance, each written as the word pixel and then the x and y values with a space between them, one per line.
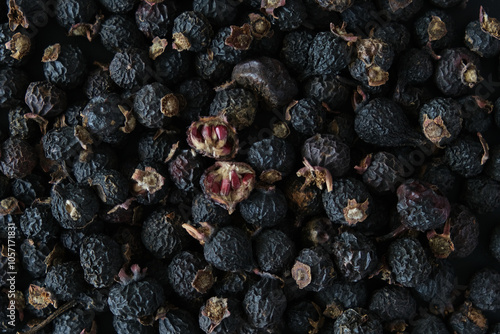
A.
pixel 136 274
pixel 216 309
pixel 356 212
pixel 260 27
pixel 268 6
pixel 19 46
pixel 441 244
pixel 489 25
pixel 240 38
pixel 470 75
pixel 213 137
pixel 435 129
pixel 315 175
pixel 301 273
pixel 87 29
pixel 364 164
pixel 228 183
pixel 51 53
pixel 147 181
pixel 16 16
pixel 436 29
pixel 157 47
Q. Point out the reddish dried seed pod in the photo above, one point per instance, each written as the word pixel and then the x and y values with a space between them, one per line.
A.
pixel 213 137
pixel 228 183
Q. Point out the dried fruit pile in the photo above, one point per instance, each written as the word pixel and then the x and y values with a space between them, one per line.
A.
pixel 247 166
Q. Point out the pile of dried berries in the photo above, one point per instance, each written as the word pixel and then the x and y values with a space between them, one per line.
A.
pixel 248 166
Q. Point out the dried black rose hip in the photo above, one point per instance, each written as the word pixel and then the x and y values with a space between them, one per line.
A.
pixel 213 137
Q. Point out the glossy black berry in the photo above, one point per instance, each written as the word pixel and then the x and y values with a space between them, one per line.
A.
pixel 274 251
pixel 101 260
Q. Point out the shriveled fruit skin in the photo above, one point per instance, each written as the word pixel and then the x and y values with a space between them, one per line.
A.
pixel 182 272
pixel 274 251
pixel 468 320
pixel 154 21
pixel 205 210
pixel 178 321
pixel 302 317
pixel 118 32
pixel 481 42
pixel 229 324
pixel 45 99
pixel 441 120
pixel 382 122
pixel 131 68
pixel 319 269
pixel 265 303
pixel 408 262
pixel 61 144
pixel 268 78
pixel 327 89
pixel 193 27
pixel 464 231
pixel 465 156
pixel 354 254
pixel 481 194
pixel 65 280
pixel 111 186
pixel 238 105
pixel 73 321
pixel 294 51
pixel 71 12
pixel 17 158
pixel 430 323
pixel 329 152
pixel 435 28
pixel 73 206
pixel 484 290
pixel 420 207
pixel 148 106
pixel 136 299
pixel 393 302
pixel 124 325
pixel 273 153
pixel 13 84
pixel 68 70
pixel 101 260
pixel 307 116
pixel 219 12
pixel 451 72
pixel 118 6
pixel 229 249
pixel 37 223
pixel 162 233
pixel 264 207
pixel 328 54
pixel 357 320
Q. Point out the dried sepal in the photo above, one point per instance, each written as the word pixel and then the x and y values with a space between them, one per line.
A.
pixel 341 32
pixel 470 75
pixel 216 309
pixel 83 136
pixel 260 27
pixel 41 121
pixel 16 16
pixel 486 148
pixel 147 181
pixel 281 130
pixel 315 175
pixel 135 274
pixel 213 137
pixel 441 244
pixel 364 164
pixel 240 38
pixel 204 280
pixel 171 104
pixel 270 176
pixel 333 310
pixel 268 6
pixel 376 76
pixel 130 121
pixel 355 212
pixel 489 25
pixel 10 206
pixel 228 183
pixel 19 46
pixel 181 42
pixel 202 234
pixel 87 30
pixel 436 29
pixel 157 47
pixel 51 53
pixel 40 297
pixel 396 5
pixel 435 129
pixel 301 273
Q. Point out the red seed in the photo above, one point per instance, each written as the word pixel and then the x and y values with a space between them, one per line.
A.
pixel 221 132
pixel 196 134
pixel 225 187
pixel 206 132
pixel 215 187
pixel 247 178
pixel 226 149
pixel 235 180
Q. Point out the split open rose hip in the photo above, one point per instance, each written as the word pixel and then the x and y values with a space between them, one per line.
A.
pixel 213 137
pixel 228 183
